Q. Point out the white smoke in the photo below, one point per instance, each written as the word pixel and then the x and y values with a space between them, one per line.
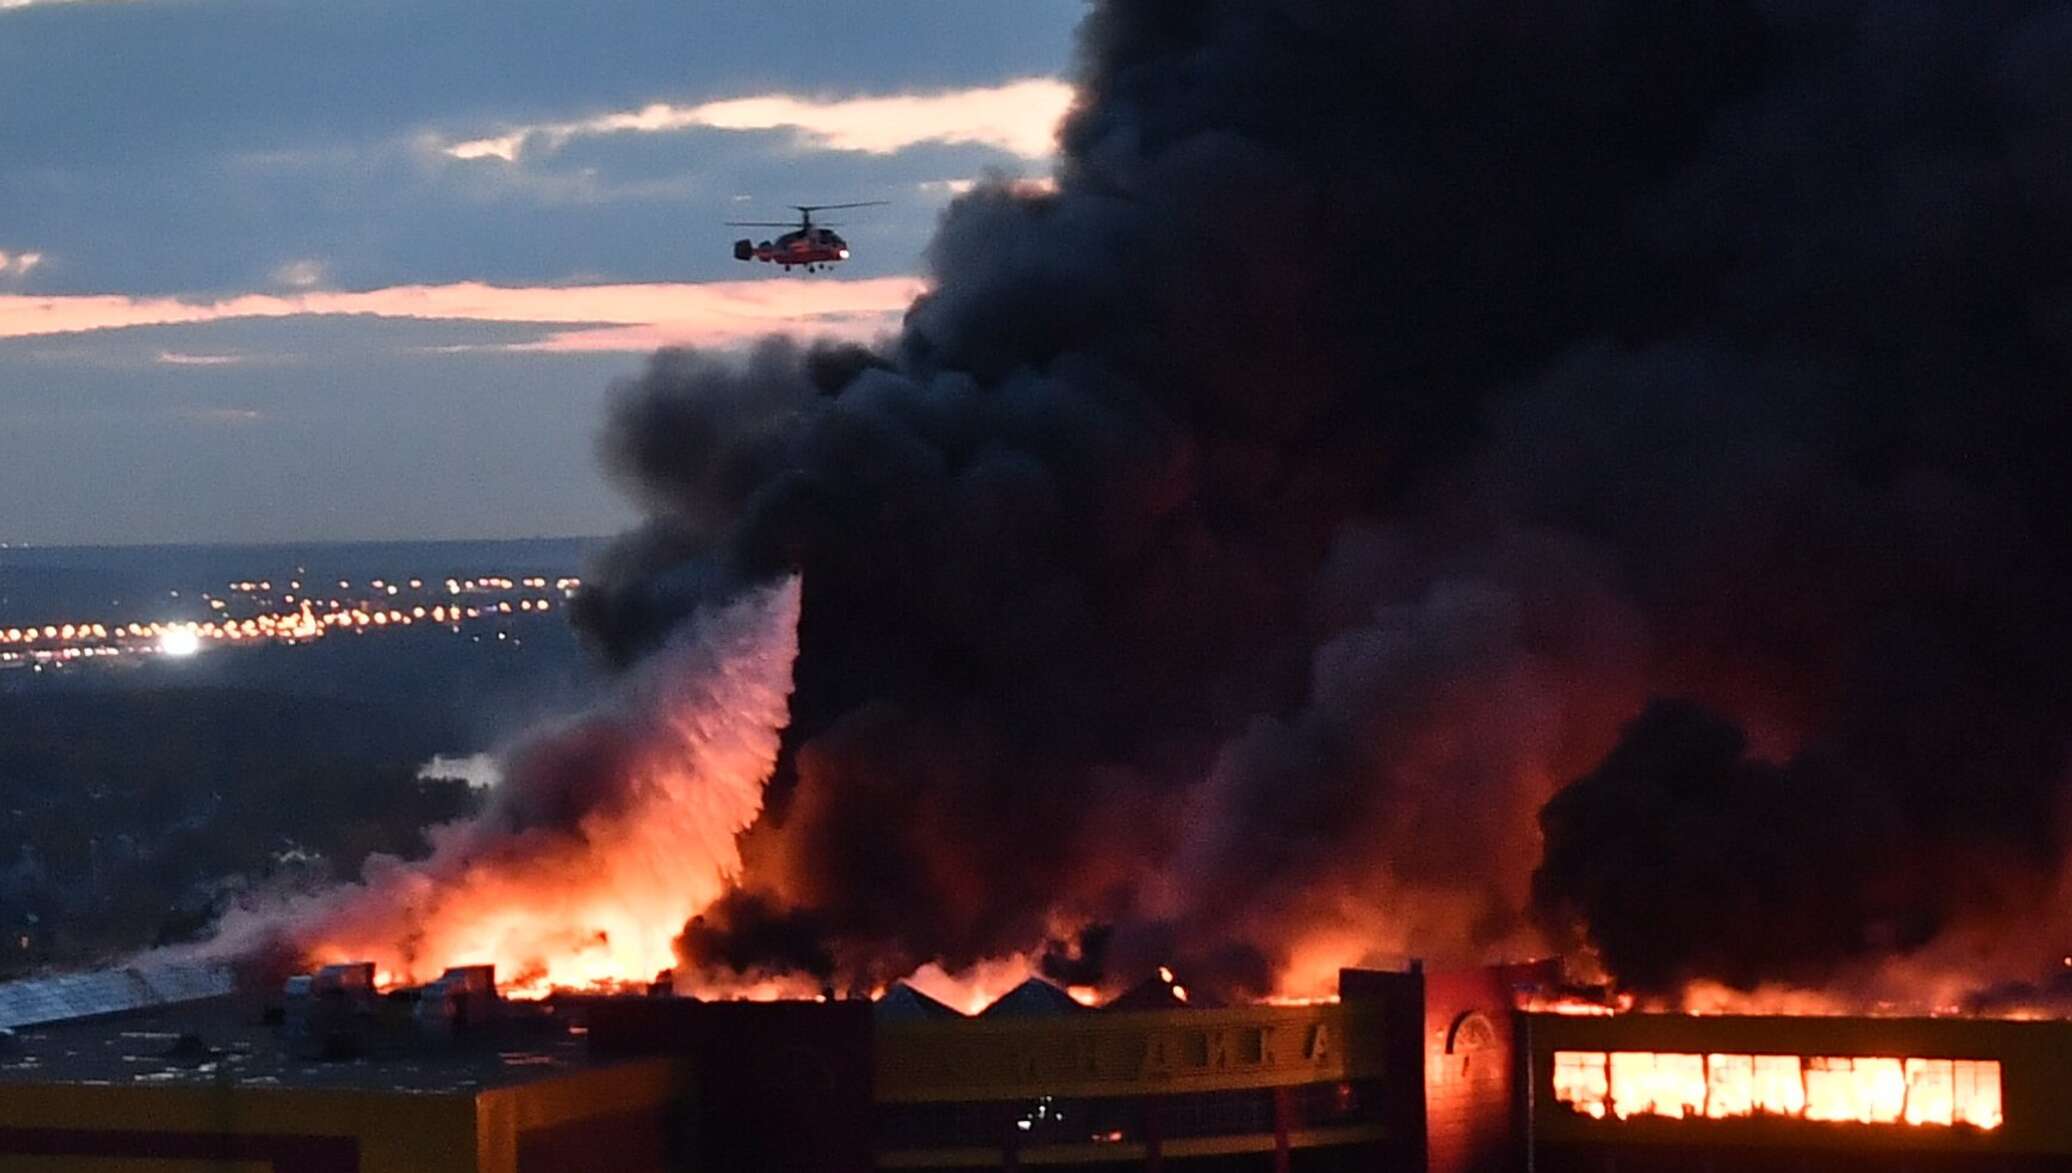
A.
pixel 608 831
pixel 481 771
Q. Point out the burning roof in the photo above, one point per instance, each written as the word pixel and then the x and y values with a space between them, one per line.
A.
pixel 1161 991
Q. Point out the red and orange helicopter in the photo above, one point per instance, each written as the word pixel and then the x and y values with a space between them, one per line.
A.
pixel 809 244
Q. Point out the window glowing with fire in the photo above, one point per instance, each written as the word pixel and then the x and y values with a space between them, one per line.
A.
pixel 1860 1089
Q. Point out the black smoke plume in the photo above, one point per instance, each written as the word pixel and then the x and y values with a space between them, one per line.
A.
pixel 1243 540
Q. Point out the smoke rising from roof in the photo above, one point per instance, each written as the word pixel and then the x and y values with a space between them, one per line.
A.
pixel 602 834
pixel 1244 540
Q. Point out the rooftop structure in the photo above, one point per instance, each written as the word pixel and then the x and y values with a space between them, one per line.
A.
pixel 1403 1071
pixel 108 991
pixel 447 1076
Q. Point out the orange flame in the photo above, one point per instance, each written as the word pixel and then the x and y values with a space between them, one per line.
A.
pixel 1540 1002
pixel 1857 1089
pixel 1707 997
pixel 596 902
pixel 972 990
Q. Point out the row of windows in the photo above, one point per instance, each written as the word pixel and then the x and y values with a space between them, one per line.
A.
pixel 1863 1089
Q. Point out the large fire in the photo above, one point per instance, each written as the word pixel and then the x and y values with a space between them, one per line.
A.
pixel 1856 1088
pixel 606 836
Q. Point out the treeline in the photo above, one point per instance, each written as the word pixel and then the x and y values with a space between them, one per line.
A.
pixel 127 818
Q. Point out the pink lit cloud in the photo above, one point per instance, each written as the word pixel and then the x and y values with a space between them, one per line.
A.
pixel 7 4
pixel 1020 117
pixel 597 317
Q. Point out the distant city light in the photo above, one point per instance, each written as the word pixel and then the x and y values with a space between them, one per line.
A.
pixel 180 641
pixel 286 619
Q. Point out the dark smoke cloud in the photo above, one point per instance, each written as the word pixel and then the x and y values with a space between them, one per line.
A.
pixel 1244 539
pixel 1688 858
pixel 748 935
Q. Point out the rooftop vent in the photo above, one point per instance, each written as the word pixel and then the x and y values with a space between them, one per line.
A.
pixel 328 1014
pixel 463 997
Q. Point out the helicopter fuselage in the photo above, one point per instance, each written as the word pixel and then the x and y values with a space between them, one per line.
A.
pixel 808 244
pixel 811 246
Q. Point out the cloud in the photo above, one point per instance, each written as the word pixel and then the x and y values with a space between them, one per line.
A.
pixel 602 317
pixel 174 358
pixel 220 416
pixel 640 338
pixel 17 264
pixel 10 5
pixel 1020 117
pixel 302 274
pixel 1043 185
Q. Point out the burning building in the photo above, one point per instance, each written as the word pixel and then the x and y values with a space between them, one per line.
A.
pixel 333 1075
pixel 1466 480
pixel 1458 1072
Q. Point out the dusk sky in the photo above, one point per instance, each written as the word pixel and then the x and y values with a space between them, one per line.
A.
pixel 276 270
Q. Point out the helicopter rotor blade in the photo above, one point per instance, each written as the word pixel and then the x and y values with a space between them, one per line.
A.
pixel 808 208
pixel 761 223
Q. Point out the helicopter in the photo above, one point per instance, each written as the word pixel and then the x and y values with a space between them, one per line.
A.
pixel 808 244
